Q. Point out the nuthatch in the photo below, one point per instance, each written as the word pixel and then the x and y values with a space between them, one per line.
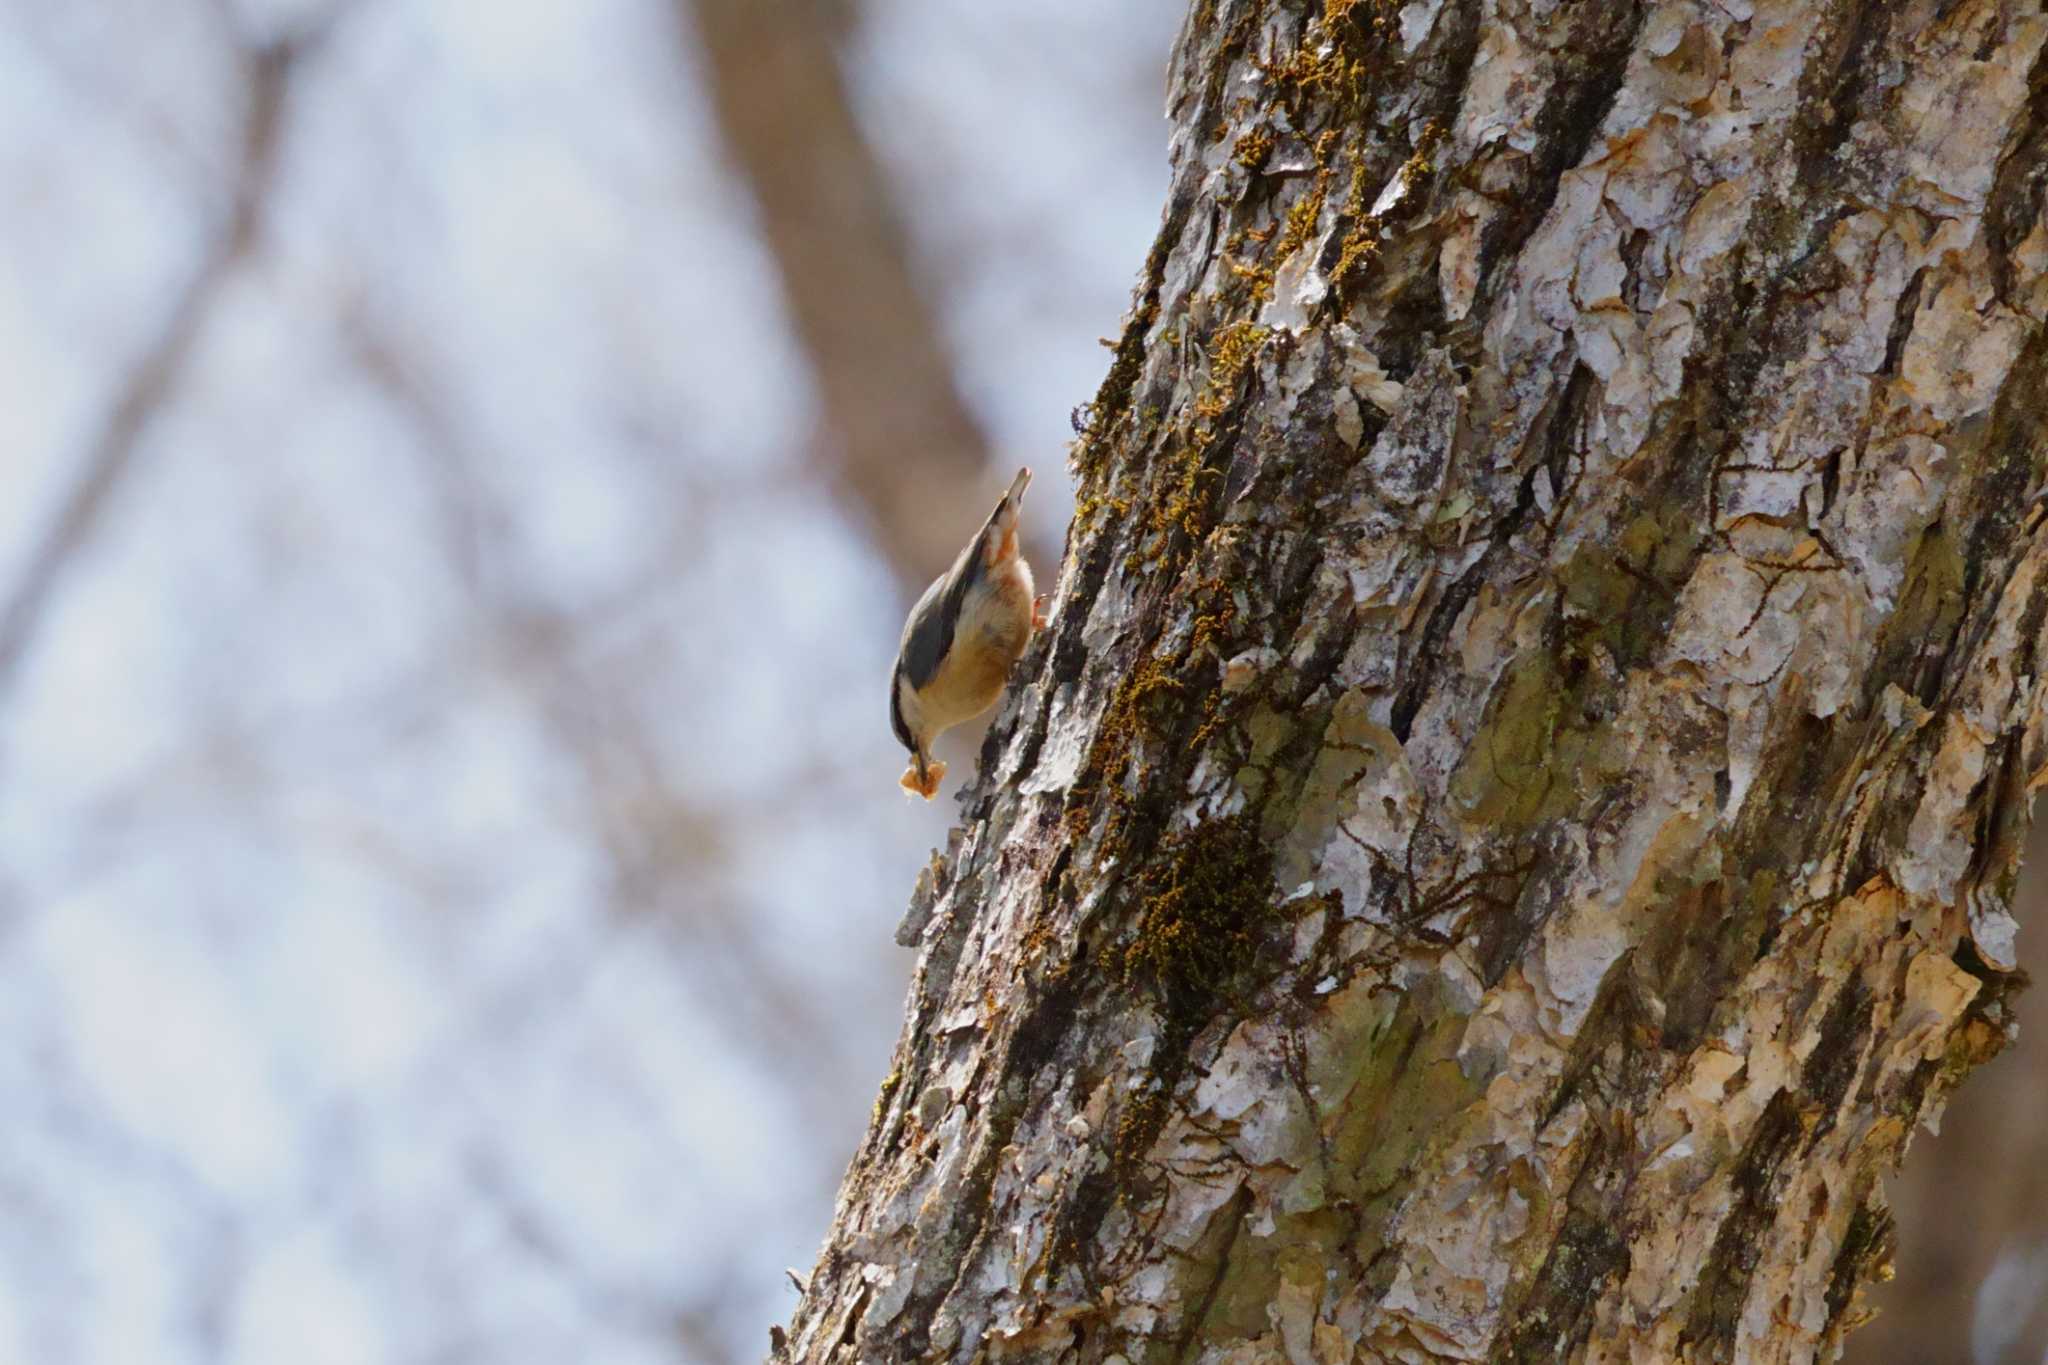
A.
pixel 962 636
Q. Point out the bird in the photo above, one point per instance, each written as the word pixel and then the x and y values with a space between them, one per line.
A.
pixel 963 635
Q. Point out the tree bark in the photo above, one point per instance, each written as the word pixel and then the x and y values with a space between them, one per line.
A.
pixel 1512 823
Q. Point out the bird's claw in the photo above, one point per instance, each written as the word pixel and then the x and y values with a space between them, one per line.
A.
pixel 1038 612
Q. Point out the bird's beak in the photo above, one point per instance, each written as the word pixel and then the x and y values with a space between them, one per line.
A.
pixel 999 536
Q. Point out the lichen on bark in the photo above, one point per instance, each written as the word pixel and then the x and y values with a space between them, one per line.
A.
pixel 1511 826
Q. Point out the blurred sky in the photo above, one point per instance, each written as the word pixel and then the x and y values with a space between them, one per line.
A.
pixel 449 842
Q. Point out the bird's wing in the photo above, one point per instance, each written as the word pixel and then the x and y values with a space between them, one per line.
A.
pixel 929 635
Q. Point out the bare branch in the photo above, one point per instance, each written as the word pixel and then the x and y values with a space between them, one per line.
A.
pixel 899 442
pixel 149 383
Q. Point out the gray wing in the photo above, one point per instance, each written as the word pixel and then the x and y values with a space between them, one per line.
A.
pixel 928 635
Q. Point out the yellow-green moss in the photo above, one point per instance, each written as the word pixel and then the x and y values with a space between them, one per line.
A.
pixel 1137 1124
pixel 1150 697
pixel 889 1084
pixel 1233 349
pixel 1179 486
pixel 1340 54
pixel 1257 279
pixel 1231 352
pixel 1302 216
pixel 1253 148
pixel 1207 903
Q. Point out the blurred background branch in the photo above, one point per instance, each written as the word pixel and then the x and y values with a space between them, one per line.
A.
pixel 895 438
pixel 266 78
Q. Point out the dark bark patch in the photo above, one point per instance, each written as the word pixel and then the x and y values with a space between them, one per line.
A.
pixel 1838 1056
pixel 1424 668
pixel 1231 1221
pixel 1786 811
pixel 2019 189
pixel 1413 320
pixel 1512 902
pixel 1913 644
pixel 1207 915
pixel 1902 326
pixel 2013 462
pixel 1626 593
pixel 1695 950
pixel 1616 1052
pixel 1139 1118
pixel 1441 618
pixel 1865 1254
pixel 1166 703
pixel 1767 311
pixel 1591 74
pixel 1205 939
pixel 1834 87
pixel 1716 1309
pixel 1046 1022
pixel 1556 1314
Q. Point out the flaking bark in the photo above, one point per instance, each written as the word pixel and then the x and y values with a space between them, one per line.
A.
pixel 1511 827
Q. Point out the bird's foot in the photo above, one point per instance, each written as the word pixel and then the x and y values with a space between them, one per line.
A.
pixel 1038 612
pixel 925 783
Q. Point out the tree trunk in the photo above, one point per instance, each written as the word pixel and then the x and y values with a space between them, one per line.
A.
pixel 1511 825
